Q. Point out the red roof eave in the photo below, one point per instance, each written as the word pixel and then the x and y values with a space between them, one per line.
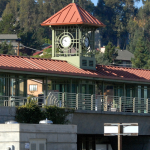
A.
pixel 72 23
pixel 72 74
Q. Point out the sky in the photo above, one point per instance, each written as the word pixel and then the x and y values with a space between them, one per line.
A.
pixel 138 4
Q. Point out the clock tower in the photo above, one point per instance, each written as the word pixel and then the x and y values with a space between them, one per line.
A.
pixel 73 32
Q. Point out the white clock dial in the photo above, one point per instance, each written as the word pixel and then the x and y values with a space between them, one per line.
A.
pixel 86 42
pixel 66 41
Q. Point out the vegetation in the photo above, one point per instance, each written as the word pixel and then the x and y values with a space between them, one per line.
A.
pixel 57 115
pixel 32 113
pixel 29 113
pixel 100 59
pixel 110 52
pixel 6 48
pixel 141 54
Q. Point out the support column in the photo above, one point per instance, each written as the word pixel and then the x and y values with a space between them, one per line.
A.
pixel 53 42
pixel 103 88
pixel 124 90
pixel 71 86
pixel 25 86
pixel 46 91
pixel 119 137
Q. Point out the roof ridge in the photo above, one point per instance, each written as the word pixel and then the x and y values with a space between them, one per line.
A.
pixel 60 11
pixel 123 67
pixel 79 11
pixel 32 57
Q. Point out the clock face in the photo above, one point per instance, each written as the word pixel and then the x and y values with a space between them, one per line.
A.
pixel 86 42
pixel 66 41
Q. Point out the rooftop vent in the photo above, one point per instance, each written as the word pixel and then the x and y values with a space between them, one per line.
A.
pixel 46 122
pixel 11 122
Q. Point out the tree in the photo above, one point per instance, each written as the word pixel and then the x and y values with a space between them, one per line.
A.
pixel 110 52
pixel 12 8
pixel 6 48
pixel 27 14
pixel 100 59
pixel 139 26
pixel 141 54
pixel 7 25
pixel 115 14
pixel 2 5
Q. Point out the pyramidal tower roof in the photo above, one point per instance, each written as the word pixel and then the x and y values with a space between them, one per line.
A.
pixel 72 14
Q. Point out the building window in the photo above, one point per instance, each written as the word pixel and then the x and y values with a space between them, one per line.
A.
pixel 32 87
pixel 91 63
pixel 84 62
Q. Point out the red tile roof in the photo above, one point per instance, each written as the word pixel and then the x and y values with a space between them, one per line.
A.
pixel 28 64
pixel 72 14
pixel 39 52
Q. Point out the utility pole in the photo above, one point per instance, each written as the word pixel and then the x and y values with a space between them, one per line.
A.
pixel 18 40
pixel 18 48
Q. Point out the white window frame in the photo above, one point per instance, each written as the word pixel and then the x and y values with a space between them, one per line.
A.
pixel 33 87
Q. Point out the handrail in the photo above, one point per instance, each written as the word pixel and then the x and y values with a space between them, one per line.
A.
pixel 82 101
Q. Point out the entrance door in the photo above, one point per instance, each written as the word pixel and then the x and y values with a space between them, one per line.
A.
pixel 103 147
pixel 37 144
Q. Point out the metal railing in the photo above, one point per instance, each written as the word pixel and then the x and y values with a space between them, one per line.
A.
pixel 84 102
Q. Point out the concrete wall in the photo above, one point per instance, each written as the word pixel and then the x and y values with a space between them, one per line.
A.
pixel 63 137
pixel 89 122
pixel 91 126
pixel 7 113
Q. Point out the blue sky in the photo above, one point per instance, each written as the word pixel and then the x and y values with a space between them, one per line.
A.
pixel 139 4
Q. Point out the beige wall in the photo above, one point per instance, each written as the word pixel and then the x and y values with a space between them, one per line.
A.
pixel 57 137
pixel 39 87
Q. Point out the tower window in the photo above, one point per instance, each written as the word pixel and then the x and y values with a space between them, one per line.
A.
pixel 91 63
pixel 84 62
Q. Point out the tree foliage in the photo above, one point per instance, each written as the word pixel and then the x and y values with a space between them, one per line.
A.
pixel 110 52
pixel 3 3
pixel 29 113
pixel 6 48
pixel 100 59
pixel 141 54
pixel 57 115
pixel 7 25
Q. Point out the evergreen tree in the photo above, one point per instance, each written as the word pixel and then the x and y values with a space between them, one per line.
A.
pixel 12 8
pixel 141 54
pixel 7 25
pixel 100 59
pixel 27 15
pixel 6 48
pixel 115 14
pixel 110 52
pixel 3 4
pixel 139 26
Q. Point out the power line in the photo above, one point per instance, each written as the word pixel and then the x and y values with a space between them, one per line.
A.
pixel 31 48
